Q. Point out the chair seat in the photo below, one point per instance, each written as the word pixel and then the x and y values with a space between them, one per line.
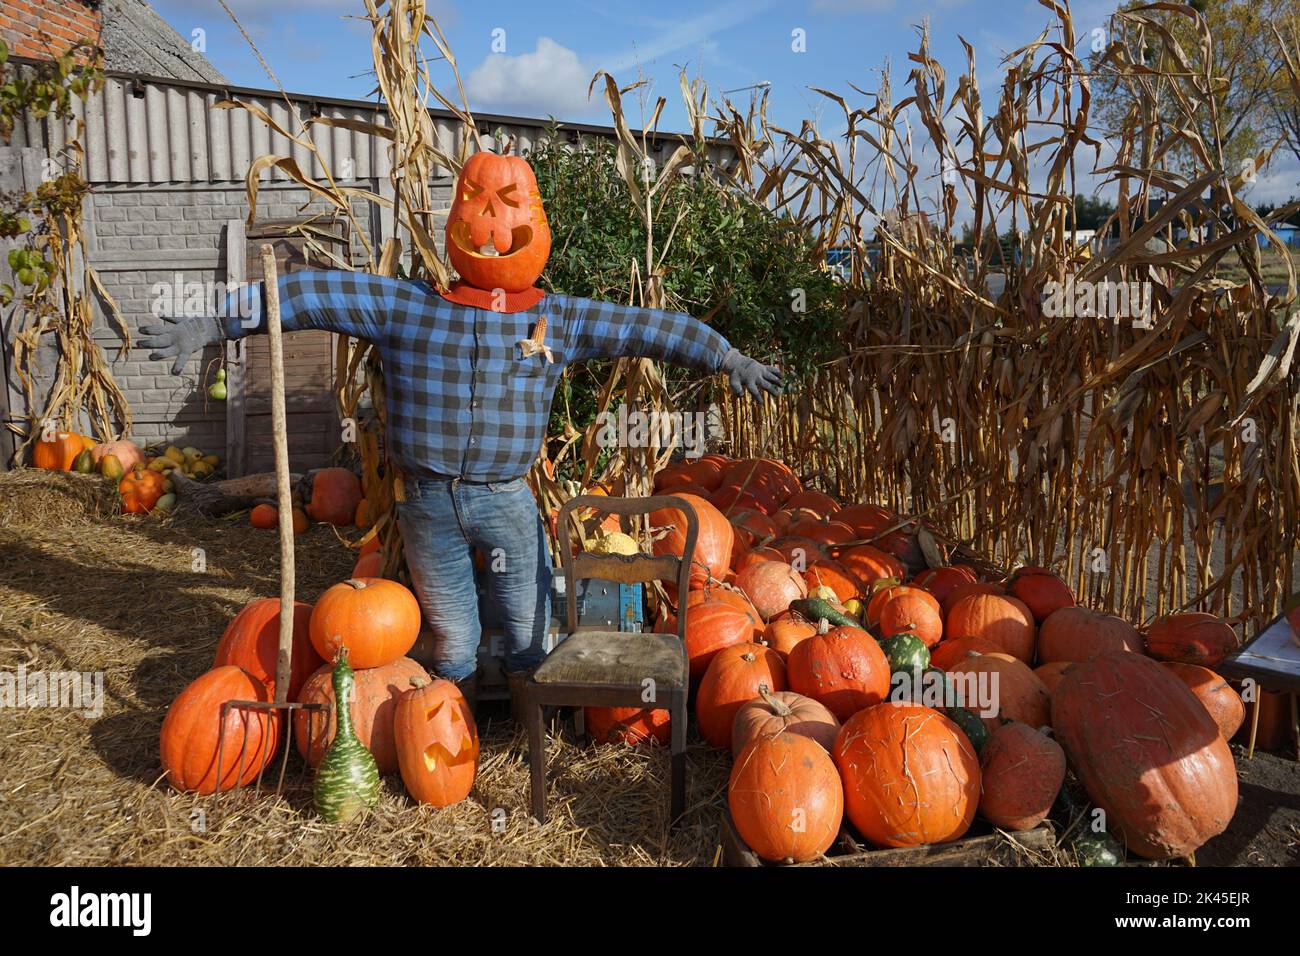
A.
pixel 615 658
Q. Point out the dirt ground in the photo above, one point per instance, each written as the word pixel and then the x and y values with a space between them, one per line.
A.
pixel 83 589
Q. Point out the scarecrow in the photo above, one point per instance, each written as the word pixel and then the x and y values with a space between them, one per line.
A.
pixel 470 375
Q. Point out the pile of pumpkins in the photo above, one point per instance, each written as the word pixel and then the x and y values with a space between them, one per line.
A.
pixel 355 636
pixel 143 479
pixel 326 495
pixel 830 658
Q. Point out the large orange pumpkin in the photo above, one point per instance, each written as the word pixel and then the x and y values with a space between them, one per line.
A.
pixel 786 798
pixel 58 452
pixel 1076 633
pixel 437 743
pixel 1001 619
pixel 1021 772
pixel 960 592
pixel 783 712
pixel 771 586
pixel 871 564
pixel 713 625
pixel 753 527
pixel 1040 590
pixel 335 495
pixel 712 545
pixel 497 202
pixel 841 667
pixel 866 519
pixel 1020 694
pixel 377 620
pixel 628 725
pixel 732 680
pixel 374 705
pixel 910 775
pixel 1051 674
pixel 191 733
pixel 252 641
pixel 884 591
pixel 948 653
pixel 815 501
pixel 1191 638
pixel 1147 752
pixel 1218 697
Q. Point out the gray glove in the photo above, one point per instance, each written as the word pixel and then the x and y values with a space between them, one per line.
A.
pixel 181 338
pixel 748 375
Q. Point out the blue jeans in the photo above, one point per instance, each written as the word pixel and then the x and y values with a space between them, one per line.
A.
pixel 442 522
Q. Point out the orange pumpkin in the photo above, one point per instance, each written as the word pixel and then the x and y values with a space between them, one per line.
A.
pixel 816 501
pixel 866 519
pixel 264 516
pixel 712 626
pixel 377 620
pixel 912 611
pixel 437 743
pixel 1041 591
pixel 965 590
pixel 335 496
pixel 1002 619
pixel 910 775
pixel 733 679
pixel 1217 696
pixel 712 557
pixel 841 667
pixel 140 491
pixel 948 653
pixel 1051 674
pixel 369 566
pixel 128 454
pixel 1191 638
pixel 785 798
pixel 497 203
pixel 59 452
pixel 191 741
pixel 1147 752
pixel 1075 633
pixel 628 725
pixel 870 564
pixel 1020 694
pixel 374 707
pixel 941 581
pixel 771 586
pixel 1021 772
pixel 252 641
pixel 783 712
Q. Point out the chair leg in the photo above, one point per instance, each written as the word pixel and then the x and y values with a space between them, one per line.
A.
pixel 677 806
pixel 536 753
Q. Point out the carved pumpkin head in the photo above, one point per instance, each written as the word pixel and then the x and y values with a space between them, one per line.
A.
pixel 497 234
pixel 437 742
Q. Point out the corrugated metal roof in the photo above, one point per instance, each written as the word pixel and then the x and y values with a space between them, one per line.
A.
pixel 151 130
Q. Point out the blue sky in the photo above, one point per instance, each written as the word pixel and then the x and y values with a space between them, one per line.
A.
pixel 552 49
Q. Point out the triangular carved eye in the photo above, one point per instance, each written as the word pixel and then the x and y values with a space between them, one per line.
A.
pixel 506 195
pixel 472 190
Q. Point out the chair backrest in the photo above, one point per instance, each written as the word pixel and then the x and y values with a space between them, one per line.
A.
pixel 627 568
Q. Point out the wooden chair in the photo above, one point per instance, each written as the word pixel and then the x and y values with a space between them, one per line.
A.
pixel 599 668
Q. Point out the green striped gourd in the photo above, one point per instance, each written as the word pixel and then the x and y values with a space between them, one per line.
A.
pixel 347 781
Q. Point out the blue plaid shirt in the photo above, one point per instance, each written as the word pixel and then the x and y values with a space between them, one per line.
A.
pixel 462 399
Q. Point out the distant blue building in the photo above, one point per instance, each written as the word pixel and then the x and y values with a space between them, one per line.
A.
pixel 1288 233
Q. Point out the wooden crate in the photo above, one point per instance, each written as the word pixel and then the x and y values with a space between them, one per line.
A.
pixel 977 850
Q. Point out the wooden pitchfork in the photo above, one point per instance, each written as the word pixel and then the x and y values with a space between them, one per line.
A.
pixel 280 707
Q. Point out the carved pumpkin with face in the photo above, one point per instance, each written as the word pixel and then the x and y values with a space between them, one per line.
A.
pixel 497 234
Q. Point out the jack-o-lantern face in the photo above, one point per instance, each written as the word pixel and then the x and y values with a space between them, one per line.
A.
pixel 437 743
pixel 497 234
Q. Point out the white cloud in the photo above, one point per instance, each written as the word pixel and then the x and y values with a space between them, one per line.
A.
pixel 550 81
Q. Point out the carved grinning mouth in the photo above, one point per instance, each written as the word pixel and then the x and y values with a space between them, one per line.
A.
pixel 520 237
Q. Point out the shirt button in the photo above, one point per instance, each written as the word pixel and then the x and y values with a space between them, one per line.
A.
pixel 471 441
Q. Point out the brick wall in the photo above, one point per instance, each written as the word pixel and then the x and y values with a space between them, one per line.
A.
pixel 44 28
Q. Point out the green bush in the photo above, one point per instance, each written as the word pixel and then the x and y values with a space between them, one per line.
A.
pixel 730 260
